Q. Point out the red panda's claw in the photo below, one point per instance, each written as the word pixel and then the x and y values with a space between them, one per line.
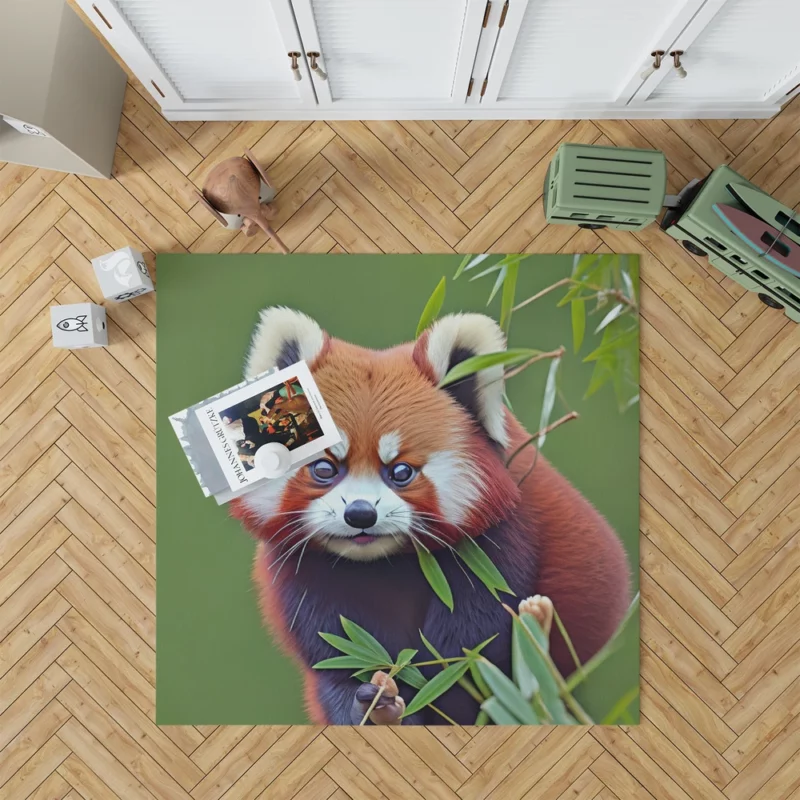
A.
pixel 540 608
pixel 389 708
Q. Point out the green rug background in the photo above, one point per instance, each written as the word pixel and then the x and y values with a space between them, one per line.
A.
pixel 216 664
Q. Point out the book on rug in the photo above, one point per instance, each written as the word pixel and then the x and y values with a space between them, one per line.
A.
pixel 223 435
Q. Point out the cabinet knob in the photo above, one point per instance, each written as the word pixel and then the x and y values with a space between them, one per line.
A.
pixel 657 56
pixel 315 68
pixel 294 55
pixel 676 60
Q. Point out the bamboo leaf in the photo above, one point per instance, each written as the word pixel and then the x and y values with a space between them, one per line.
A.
pixel 482 718
pixel 622 705
pixel 630 292
pixel 487 271
pixel 432 307
pixel 344 662
pixel 478 680
pixel 482 566
pixel 497 284
pixel 405 657
pixel 437 686
pixel 470 262
pixel 475 364
pixel 463 265
pixel 578 308
pixel 364 639
pixel 477 649
pixel 507 301
pixel 521 672
pixel 434 575
pixel 431 649
pixel 353 649
pixel 601 374
pixel 572 293
pixel 506 691
pixel 633 271
pixel 567 640
pixel 583 265
pixel 615 342
pixel 535 660
pixel 610 647
pixel 412 676
pixel 532 624
pixel 610 317
pixel 498 713
pixel 549 401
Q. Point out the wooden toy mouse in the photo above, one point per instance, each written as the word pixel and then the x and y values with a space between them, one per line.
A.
pixel 237 193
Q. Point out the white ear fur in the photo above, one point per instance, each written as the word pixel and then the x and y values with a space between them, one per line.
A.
pixel 280 328
pixel 479 335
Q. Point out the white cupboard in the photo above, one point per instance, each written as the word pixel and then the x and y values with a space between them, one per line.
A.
pixel 390 59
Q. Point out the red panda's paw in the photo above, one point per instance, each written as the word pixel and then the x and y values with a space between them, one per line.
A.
pixel 390 706
pixel 541 609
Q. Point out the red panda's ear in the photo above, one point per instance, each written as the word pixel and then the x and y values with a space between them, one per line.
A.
pixel 453 339
pixel 281 337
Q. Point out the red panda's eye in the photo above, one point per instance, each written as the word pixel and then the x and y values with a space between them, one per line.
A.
pixel 323 470
pixel 401 473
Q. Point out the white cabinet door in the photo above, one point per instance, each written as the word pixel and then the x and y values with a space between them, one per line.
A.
pixel 393 54
pixel 208 55
pixel 736 51
pixel 582 54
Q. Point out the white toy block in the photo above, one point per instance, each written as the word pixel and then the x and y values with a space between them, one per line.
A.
pixel 122 274
pixel 78 325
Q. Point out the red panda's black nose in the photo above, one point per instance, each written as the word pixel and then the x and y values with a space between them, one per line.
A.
pixel 360 514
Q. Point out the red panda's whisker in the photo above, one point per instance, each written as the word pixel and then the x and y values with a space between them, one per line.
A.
pixel 300 527
pixel 300 557
pixel 294 618
pixel 425 531
pixel 436 518
pixel 301 518
pixel 285 557
pixel 417 540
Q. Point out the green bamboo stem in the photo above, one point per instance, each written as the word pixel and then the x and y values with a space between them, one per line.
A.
pixel 564 693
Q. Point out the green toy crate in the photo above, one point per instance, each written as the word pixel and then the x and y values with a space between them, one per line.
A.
pixel 598 187
pixel 696 225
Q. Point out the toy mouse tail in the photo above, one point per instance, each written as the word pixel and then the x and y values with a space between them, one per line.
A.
pixel 270 231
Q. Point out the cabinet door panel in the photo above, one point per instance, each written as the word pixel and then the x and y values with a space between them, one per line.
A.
pixel 579 51
pixel 747 52
pixel 391 51
pixel 208 53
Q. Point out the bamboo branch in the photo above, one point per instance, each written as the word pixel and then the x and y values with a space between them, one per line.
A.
pixel 544 431
pixel 598 290
pixel 551 354
pixel 563 691
pixel 381 690
pixel 516 370
pixel 562 282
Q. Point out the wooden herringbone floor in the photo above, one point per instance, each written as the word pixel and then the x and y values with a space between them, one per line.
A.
pixel 720 471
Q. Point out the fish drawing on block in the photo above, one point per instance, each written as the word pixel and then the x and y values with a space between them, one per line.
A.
pixel 763 238
pixel 77 324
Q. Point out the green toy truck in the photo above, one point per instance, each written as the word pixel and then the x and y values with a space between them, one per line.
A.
pixel 597 187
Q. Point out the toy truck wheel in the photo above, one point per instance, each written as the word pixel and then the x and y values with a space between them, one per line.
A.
pixel 592 226
pixel 769 301
pixel 693 248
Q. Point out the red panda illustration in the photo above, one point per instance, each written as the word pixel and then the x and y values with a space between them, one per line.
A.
pixel 418 462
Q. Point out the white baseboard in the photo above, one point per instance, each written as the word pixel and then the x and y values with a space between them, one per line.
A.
pixel 705 111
